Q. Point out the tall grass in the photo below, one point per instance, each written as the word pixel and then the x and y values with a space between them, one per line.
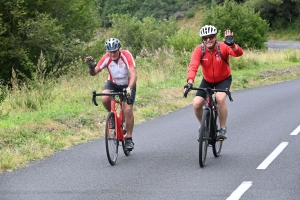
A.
pixel 55 114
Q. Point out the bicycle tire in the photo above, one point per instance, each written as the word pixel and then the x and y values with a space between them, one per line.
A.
pixel 217 144
pixel 111 141
pixel 203 137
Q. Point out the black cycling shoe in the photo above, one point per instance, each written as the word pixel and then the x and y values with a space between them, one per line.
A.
pixel 129 145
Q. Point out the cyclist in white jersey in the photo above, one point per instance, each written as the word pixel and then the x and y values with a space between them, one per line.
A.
pixel 121 74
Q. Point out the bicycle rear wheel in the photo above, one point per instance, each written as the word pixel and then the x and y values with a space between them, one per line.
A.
pixel 203 137
pixel 217 144
pixel 111 141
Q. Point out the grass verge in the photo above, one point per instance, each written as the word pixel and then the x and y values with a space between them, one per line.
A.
pixel 43 118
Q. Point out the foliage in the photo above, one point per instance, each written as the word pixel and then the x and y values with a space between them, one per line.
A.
pixel 96 48
pixel 158 9
pixel 184 40
pixel 136 34
pixel 60 30
pixel 279 13
pixel 252 33
pixel 3 92
pixel 219 2
pixel 57 28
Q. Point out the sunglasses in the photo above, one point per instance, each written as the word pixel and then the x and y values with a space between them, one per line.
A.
pixel 113 51
pixel 211 37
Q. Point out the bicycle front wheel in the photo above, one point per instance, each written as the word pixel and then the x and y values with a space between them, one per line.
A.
pixel 111 141
pixel 217 144
pixel 203 137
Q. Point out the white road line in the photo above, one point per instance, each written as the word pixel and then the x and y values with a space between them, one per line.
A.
pixel 296 131
pixel 272 156
pixel 240 190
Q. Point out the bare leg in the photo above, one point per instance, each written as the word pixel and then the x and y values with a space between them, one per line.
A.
pixel 129 117
pixel 106 100
pixel 222 108
pixel 198 107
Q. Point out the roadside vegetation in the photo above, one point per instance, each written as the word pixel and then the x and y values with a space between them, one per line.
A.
pixel 49 107
pixel 41 119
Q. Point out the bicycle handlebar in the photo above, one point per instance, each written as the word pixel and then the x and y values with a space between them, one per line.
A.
pixel 129 100
pixel 209 91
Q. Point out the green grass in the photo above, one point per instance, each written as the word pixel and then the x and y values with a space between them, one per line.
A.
pixel 284 35
pixel 43 118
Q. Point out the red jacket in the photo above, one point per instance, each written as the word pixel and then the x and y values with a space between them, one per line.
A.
pixel 214 68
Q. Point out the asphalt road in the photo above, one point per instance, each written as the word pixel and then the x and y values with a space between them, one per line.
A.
pixel 164 163
pixel 283 45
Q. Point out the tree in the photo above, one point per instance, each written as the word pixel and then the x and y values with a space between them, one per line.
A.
pixel 57 28
pixel 250 30
pixel 158 9
pixel 279 13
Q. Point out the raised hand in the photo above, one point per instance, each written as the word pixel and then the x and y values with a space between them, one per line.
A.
pixel 90 62
pixel 229 40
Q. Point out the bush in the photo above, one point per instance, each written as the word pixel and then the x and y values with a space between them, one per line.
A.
pixel 57 28
pixel 184 40
pixel 147 33
pixel 190 14
pixel 238 64
pixel 96 48
pixel 3 92
pixel 249 29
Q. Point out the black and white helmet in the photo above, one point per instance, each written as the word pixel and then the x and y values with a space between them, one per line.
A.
pixel 208 30
pixel 112 44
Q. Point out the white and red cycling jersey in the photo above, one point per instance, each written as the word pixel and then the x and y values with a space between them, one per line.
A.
pixel 118 71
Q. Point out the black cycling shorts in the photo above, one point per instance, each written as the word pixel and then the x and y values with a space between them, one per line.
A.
pixel 119 88
pixel 221 85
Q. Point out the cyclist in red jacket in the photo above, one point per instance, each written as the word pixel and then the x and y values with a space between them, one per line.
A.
pixel 121 74
pixel 213 56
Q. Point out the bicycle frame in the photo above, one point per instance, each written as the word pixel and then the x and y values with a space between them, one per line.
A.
pixel 211 105
pixel 118 114
pixel 115 135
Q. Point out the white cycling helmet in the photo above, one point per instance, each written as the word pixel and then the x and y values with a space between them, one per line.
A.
pixel 208 30
pixel 112 44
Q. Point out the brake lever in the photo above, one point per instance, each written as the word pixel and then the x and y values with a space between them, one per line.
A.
pixel 129 100
pixel 188 88
pixel 94 98
pixel 229 94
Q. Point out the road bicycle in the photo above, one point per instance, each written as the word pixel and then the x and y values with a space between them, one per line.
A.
pixel 115 129
pixel 210 124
